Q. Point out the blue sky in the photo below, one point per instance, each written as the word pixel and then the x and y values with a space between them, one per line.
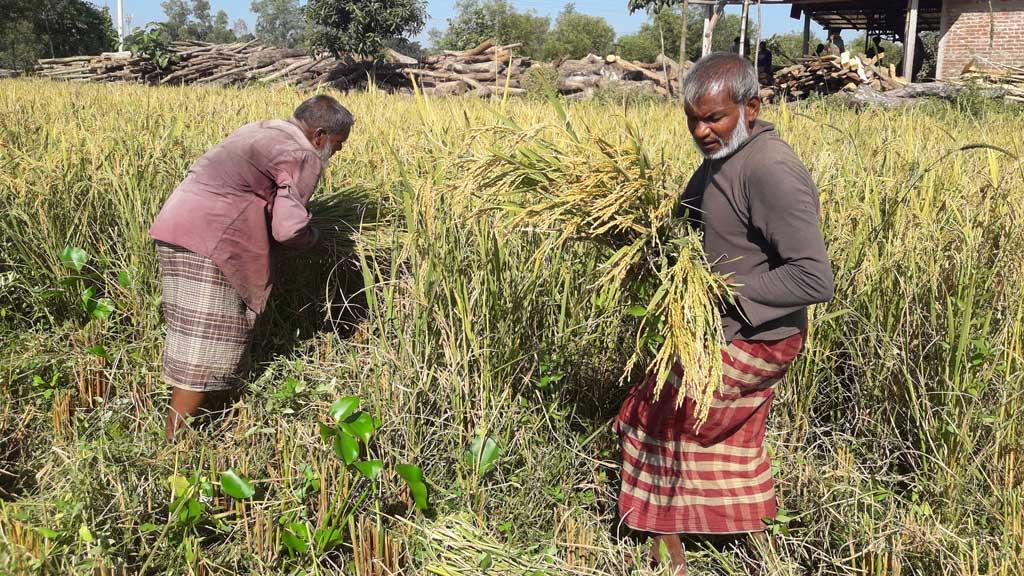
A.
pixel 776 18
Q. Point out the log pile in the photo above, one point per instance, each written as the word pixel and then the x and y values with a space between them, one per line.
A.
pixel 578 79
pixel 831 74
pixel 482 71
pixel 486 70
pixel 107 67
pixel 995 77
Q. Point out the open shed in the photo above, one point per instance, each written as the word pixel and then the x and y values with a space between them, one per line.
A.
pixel 992 30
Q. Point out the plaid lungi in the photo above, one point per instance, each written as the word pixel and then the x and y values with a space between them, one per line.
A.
pixel 715 480
pixel 209 327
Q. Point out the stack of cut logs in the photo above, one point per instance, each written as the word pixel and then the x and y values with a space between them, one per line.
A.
pixel 1000 77
pixel 486 70
pixel 481 71
pixel 107 67
pixel 578 79
pixel 830 74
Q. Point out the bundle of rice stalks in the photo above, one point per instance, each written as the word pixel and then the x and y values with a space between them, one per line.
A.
pixel 570 187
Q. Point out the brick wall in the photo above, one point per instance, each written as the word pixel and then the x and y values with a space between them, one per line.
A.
pixel 966 27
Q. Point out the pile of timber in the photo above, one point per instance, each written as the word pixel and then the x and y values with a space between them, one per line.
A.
pixel 5 73
pixel 482 71
pixel 578 79
pixel 991 76
pixel 107 67
pixel 491 69
pixel 486 70
pixel 831 74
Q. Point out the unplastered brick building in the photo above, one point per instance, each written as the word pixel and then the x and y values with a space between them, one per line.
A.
pixel 984 29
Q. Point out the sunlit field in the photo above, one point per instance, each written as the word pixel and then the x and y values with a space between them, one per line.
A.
pixel 896 436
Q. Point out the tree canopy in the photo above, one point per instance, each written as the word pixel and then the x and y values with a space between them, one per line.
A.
pixel 478 20
pixel 32 29
pixel 279 22
pixel 362 26
pixel 645 43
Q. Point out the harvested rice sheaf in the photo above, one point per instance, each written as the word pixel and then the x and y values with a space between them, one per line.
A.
pixel 569 188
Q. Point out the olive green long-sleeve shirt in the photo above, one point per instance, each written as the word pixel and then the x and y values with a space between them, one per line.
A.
pixel 759 213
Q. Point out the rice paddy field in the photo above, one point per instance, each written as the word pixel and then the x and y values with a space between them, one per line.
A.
pixel 486 362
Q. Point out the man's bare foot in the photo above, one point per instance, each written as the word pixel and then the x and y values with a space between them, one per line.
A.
pixel 668 549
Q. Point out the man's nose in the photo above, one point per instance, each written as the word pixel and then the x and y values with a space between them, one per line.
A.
pixel 701 130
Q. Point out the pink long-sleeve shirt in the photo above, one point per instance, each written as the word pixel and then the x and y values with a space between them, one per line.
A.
pixel 250 189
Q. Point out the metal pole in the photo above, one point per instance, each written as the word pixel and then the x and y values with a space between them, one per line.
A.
pixel 120 25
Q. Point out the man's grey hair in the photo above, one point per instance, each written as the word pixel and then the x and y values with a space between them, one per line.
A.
pixel 717 72
pixel 322 111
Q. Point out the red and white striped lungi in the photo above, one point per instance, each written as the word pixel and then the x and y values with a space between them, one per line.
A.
pixel 717 480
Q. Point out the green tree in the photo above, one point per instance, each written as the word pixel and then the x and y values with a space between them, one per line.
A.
pixel 645 43
pixel 219 31
pixel 177 14
pixel 893 50
pixel 575 35
pixel 361 26
pixel 34 29
pixel 480 20
pixel 788 48
pixel 279 22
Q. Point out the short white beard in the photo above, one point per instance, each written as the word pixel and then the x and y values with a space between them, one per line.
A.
pixel 739 135
pixel 325 153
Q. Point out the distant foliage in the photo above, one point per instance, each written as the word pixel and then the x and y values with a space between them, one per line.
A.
pixel 192 21
pixel 279 22
pixel 361 26
pixel 665 25
pixel 575 35
pixel 63 28
pixel 478 20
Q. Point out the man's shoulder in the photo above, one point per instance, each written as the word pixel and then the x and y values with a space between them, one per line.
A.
pixel 767 149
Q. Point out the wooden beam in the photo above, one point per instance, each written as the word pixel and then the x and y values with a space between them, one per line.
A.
pixel 910 40
pixel 682 43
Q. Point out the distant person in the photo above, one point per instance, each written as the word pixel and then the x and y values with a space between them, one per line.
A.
pixel 758 209
pixel 764 64
pixel 214 240
pixel 820 50
pixel 735 49
pixel 837 46
pixel 874 48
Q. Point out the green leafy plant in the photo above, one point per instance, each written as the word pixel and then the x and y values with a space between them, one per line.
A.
pixel 153 42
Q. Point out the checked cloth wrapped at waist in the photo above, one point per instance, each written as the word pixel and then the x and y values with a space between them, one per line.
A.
pixel 715 480
pixel 209 326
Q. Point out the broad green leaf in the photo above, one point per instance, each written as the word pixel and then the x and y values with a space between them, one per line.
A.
pixel 327 432
pixel 346 447
pixel 48 533
pixel 236 485
pixel 85 535
pixel 295 537
pixel 99 351
pixel 179 485
pixel 413 477
pixel 482 454
pixel 369 468
pixel 148 527
pixel 102 308
pixel 486 561
pixel 189 512
pixel 327 538
pixel 343 407
pixel 124 280
pixel 74 258
pixel 361 427
pixel 636 311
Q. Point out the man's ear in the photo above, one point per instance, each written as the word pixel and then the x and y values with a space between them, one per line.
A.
pixel 319 135
pixel 753 108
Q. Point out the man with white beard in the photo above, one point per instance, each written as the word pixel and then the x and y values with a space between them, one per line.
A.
pixel 215 235
pixel 757 208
